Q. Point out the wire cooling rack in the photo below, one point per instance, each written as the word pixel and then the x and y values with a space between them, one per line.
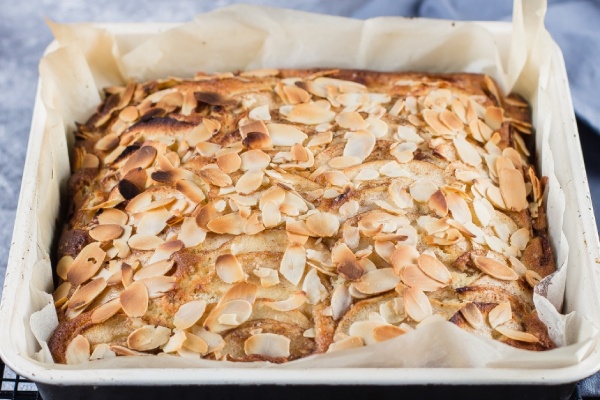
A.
pixel 14 387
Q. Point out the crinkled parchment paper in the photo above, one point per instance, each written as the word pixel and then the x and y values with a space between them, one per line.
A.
pixel 248 37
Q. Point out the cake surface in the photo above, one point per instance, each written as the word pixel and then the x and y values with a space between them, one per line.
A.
pixel 274 214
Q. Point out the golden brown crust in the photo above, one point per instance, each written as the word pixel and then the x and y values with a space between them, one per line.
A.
pixel 269 215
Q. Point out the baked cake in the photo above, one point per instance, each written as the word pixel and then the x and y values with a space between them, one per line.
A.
pixel 274 214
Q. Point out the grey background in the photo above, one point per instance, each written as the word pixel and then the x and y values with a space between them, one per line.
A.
pixel 24 36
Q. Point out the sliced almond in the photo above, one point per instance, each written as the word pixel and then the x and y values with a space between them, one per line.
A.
pixel 377 281
pixel 61 294
pixel 458 207
pixel 148 337
pixel 157 286
pixel 240 291
pixel 134 300
pixel 320 139
pixel 105 311
pixel 144 242
pixel 104 233
pixel 111 216
pixel 413 276
pixel 351 120
pixel 190 190
pixel 472 315
pixel 142 158
pixel 532 277
pixel 403 256
pixel 107 142
pixel 517 335
pixel 500 314
pixel 437 203
pixel 250 181
pixel 268 344
pixel 314 288
pixel 360 144
pixel 466 151
pixel 291 303
pixel 191 234
pixel 293 263
pixel 285 135
pixel 342 162
pixel 231 223
pixel 495 269
pixel 386 332
pixel 434 268
pixel 215 176
pixel 451 120
pixel 340 302
pixel 153 222
pixel 254 159
pixel 86 264
pixel 260 113
pixel 422 190
pixel 165 250
pixel 63 266
pixel 239 309
pixel 228 268
pixel 188 314
pixel 323 224
pixel 159 268
pixel 350 342
pixel 87 293
pixel 78 351
pixel 229 162
pixel 513 190
pixel 416 304
pixel 346 262
pixel 310 114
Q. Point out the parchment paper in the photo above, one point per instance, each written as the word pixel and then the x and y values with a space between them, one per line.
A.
pixel 245 37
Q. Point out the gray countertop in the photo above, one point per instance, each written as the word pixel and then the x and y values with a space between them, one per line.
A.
pixel 24 36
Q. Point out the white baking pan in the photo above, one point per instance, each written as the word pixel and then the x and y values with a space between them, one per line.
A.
pixel 58 381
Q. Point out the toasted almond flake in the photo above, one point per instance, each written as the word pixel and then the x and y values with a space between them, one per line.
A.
pixel 240 291
pixel 254 127
pixel 175 342
pixel 360 144
pixel 165 250
pixel 105 311
pixel 293 263
pixel 346 262
pixel 90 161
pixel 191 234
pixel 517 335
pixel 84 295
pixel 391 169
pixel 313 287
pixel 112 216
pixel 467 153
pixel 403 256
pixel 512 189
pixel 431 117
pixel 86 264
pixel 159 268
pixel 320 139
pixel 231 223
pixel 416 304
pixel 144 242
pixel 422 190
pixel 142 158
pixel 78 351
pixel 254 159
pixel 104 233
pixel 271 216
pixel 532 277
pixel 107 142
pixel 296 95
pixel 500 314
pixel 342 162
pixel 285 135
pixel 386 332
pixel 495 269
pixel 61 293
pixel 451 120
pixel 148 337
pixel 126 275
pixel 291 303
pixel 350 342
pixel 494 195
pixel 377 281
pixel 157 286
pixel 413 276
pixel 458 207
pixel 240 309
pixel 215 176
pixel 367 174
pixel 494 117
pixel 268 277
pixel 384 246
pixel 268 344
pixel 310 114
pixel 520 238
pixel 229 162
pixel 250 181
pixel 340 301
pixel 434 268
pixel 228 268
pixel 134 300
pixel 365 330
pixel 260 113
pixel 153 221
pixel 351 120
pixel 214 341
pixel 472 315
pixel 101 352
pixel 190 190
pixel 299 153
pixel 207 149
pixel 437 203
pixel 188 314
pixel 323 224
pixel 351 235
pixel 63 266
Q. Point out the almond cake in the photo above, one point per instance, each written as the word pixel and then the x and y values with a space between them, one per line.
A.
pixel 269 215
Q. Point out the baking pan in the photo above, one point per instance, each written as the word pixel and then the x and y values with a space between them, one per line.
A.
pixel 59 382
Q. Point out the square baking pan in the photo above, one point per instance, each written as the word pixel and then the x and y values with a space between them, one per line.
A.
pixel 60 382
